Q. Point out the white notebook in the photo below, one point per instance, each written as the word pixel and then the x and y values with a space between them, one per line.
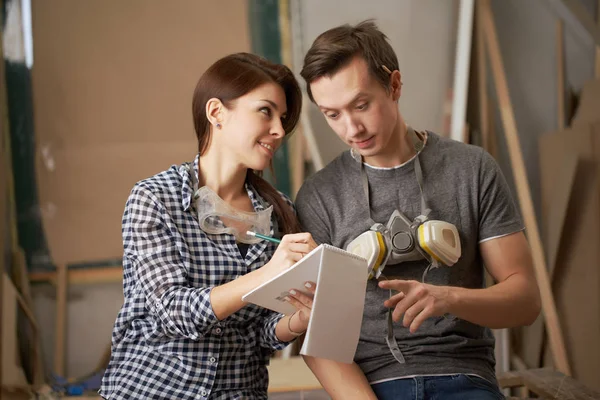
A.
pixel 336 317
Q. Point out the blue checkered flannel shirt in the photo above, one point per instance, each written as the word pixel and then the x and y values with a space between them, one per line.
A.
pixel 167 342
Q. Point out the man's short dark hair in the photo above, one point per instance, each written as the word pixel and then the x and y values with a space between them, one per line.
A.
pixel 334 49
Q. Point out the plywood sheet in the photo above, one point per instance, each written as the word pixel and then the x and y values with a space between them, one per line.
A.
pixel 113 83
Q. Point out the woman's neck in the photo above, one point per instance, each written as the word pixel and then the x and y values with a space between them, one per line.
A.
pixel 223 178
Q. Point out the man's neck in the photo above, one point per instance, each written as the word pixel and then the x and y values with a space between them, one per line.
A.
pixel 399 149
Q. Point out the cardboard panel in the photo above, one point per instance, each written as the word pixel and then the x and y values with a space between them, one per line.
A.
pixel 589 104
pixel 576 278
pixel 12 373
pixel 113 83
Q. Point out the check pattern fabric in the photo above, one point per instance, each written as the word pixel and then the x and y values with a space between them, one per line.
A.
pixel 167 342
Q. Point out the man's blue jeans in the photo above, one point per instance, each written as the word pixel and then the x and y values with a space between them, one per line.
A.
pixel 447 387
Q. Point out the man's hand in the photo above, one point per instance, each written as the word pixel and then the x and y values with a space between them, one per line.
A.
pixel 417 301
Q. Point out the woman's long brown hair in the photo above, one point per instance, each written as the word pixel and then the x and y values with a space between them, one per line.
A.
pixel 234 76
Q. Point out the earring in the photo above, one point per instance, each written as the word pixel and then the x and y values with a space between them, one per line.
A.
pixel 218 126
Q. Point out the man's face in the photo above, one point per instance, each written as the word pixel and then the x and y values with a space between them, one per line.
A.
pixel 359 109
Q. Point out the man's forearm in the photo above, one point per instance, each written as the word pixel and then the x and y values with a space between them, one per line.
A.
pixel 513 302
pixel 341 381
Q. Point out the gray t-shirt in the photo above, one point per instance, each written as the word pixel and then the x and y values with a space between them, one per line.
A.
pixel 463 186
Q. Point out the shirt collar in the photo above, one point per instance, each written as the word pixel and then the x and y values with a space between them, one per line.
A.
pixel 358 158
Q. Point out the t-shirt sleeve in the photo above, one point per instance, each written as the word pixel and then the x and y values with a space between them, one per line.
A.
pixel 498 213
pixel 312 214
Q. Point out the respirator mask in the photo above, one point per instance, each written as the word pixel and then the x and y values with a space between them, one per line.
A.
pixel 403 240
pixel 217 217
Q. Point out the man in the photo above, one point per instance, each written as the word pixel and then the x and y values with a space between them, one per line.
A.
pixel 440 343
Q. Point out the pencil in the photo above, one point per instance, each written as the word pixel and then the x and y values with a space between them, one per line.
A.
pixel 265 237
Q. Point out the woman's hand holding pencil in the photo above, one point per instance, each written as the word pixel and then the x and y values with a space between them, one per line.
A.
pixel 291 249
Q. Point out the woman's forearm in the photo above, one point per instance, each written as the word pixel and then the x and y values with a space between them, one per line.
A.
pixel 341 381
pixel 227 299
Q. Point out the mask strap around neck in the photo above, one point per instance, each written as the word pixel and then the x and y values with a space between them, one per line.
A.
pixel 417 146
pixel 195 188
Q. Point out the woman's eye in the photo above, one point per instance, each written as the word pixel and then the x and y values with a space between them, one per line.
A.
pixel 266 111
pixel 332 115
pixel 363 106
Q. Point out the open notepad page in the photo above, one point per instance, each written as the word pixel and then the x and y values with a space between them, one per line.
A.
pixel 336 316
pixel 337 312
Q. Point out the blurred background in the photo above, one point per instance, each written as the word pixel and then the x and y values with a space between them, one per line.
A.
pixel 96 95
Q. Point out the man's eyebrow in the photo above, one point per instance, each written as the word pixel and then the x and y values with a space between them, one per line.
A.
pixel 354 100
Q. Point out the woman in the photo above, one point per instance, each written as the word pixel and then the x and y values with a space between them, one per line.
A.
pixel 183 331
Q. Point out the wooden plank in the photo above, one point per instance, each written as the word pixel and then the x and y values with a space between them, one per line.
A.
pixel 20 275
pixel 21 280
pixel 493 143
pixel 12 372
pixel 572 24
pixel 2 318
pixel 82 276
pixel 61 320
pixel 27 310
pixel 523 192
pixel 551 384
pixel 4 222
pixel 547 384
pixel 597 69
pixel 560 74
pixel 555 220
pixel 296 142
pixel 576 276
pixel 297 160
pixel 585 19
pixel 557 212
pixel 510 379
pixel 484 122
pixel 519 365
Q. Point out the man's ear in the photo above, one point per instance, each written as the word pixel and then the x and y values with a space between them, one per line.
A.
pixel 214 111
pixel 396 85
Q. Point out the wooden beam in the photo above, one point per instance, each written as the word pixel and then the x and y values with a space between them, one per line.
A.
pixel 519 365
pixel 560 74
pixel 597 69
pixel 586 20
pixel 4 221
pixel 510 379
pixel 28 312
pixel 550 384
pixel 523 192
pixel 82 276
pixel 5 192
pixel 557 210
pixel 296 141
pixel 557 214
pixel 484 121
pixel 1 319
pixel 570 12
pixel 547 384
pixel 61 320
